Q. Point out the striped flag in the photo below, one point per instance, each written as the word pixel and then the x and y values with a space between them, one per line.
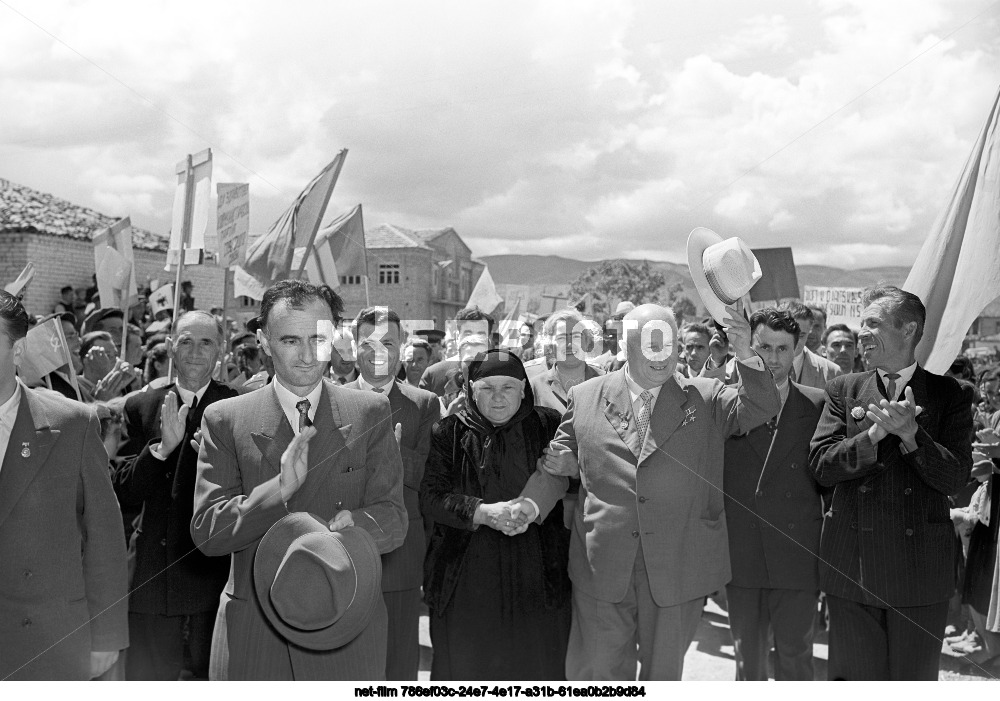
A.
pixel 114 263
pixel 339 250
pixel 269 258
pixel 957 272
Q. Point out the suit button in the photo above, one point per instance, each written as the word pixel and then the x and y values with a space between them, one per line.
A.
pixel 163 542
pixel 791 526
pixel 169 475
pixel 350 469
pixel 642 500
pixel 788 495
pixel 338 505
pixel 759 493
pixel 863 489
pixel 26 623
pixel 27 573
pixel 753 524
pixel 794 466
pixel 909 531
pixel 854 525
pixel 907 491
pixel 635 534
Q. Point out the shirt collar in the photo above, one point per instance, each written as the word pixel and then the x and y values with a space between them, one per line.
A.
pixel 8 410
pixel 187 395
pixel 366 385
pixel 635 390
pixel 905 375
pixel 288 399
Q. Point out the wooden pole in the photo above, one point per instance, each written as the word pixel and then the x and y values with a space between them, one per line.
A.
pixel 185 238
pixel 227 335
pixel 368 302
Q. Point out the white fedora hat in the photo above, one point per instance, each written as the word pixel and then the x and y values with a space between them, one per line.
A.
pixel 723 270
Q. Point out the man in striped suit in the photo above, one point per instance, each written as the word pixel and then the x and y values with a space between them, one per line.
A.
pixel 894 443
pixel 414 413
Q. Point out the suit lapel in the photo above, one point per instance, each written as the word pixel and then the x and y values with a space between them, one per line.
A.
pixel 789 421
pixel 868 393
pixel 331 437
pixel 668 414
pixel 274 432
pixel 918 383
pixel 30 441
pixel 618 411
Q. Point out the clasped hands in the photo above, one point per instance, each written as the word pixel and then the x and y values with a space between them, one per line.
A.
pixel 896 417
pixel 509 517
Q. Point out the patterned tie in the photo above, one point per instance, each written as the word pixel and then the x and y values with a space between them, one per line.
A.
pixel 890 387
pixel 642 420
pixel 303 408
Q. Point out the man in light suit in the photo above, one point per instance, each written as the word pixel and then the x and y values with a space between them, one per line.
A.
pixel 414 413
pixel 774 511
pixel 63 573
pixel 299 444
pixel 894 443
pixel 649 534
pixel 809 369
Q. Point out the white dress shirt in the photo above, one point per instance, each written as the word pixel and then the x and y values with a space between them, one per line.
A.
pixel 288 399
pixel 8 415
pixel 366 385
pixel 905 375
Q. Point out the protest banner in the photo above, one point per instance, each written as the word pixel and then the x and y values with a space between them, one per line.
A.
pixel 233 222
pixel 842 304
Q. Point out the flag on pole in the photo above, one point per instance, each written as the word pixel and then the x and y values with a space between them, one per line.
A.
pixel 45 350
pixel 957 272
pixel 510 327
pixel 201 178
pixel 339 250
pixel 269 258
pixel 20 285
pixel 115 265
pixel 484 295
pixel 162 298
pixel 246 285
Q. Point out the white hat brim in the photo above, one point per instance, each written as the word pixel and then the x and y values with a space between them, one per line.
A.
pixel 698 240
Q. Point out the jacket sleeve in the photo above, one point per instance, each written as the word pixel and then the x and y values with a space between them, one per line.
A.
pixel 944 465
pixel 383 515
pixel 104 560
pixel 753 401
pixel 542 488
pixel 226 519
pixel 438 500
pixel 414 459
pixel 833 456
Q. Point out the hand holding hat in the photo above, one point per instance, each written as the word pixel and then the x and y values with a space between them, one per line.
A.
pixel 723 271
pixel 738 330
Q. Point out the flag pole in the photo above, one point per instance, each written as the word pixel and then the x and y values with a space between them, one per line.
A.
pixel 341 157
pixel 185 238
pixel 227 335
pixel 367 301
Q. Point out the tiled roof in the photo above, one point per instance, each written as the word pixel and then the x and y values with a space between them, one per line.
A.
pixel 428 235
pixel 392 236
pixel 25 210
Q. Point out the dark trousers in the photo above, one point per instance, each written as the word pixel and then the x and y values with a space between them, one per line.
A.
pixel 879 644
pixel 402 658
pixel 790 614
pixel 156 645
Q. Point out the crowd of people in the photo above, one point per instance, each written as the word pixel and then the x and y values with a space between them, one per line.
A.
pixel 282 500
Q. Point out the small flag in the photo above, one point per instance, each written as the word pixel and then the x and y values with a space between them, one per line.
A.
pixel 46 350
pixel 162 298
pixel 485 294
pixel 114 263
pixel 201 193
pixel 20 285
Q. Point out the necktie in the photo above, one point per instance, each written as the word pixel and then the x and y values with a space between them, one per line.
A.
pixel 642 420
pixel 191 412
pixel 890 386
pixel 377 390
pixel 303 408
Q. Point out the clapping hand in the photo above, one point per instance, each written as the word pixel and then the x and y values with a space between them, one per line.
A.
pixel 988 443
pixel 173 424
pixel 295 463
pixel 97 363
pixel 398 432
pixel 456 405
pixel 897 418
pixel 559 461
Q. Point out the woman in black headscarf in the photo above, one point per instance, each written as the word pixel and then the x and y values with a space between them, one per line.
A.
pixel 499 604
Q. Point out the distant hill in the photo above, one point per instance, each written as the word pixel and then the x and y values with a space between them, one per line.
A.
pixel 559 271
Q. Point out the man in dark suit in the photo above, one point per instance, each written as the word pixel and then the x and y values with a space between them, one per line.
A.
pixel 175 587
pixel 809 369
pixel 894 443
pixel 774 513
pixel 469 321
pixel 299 444
pixel 63 574
pixel 414 413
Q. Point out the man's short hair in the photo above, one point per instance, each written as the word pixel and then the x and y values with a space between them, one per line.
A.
pixel 239 338
pixel 187 285
pixel 902 306
pixel 839 327
pixel 474 313
pixel 817 311
pixel 374 316
pixel 208 316
pixel 798 310
pixel 776 320
pixel 695 327
pixel 420 343
pixel 66 288
pixel 14 315
pixel 569 316
pixel 90 339
pixel 296 294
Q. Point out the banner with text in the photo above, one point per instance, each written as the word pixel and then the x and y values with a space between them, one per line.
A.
pixel 842 304
pixel 233 222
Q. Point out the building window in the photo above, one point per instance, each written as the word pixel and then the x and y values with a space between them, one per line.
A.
pixel 350 279
pixel 388 273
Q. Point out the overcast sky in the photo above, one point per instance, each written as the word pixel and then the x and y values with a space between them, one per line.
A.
pixel 584 129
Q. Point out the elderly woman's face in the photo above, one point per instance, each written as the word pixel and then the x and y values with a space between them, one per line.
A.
pixel 498 398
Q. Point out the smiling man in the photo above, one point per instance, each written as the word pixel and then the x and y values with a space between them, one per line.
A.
pixel 649 535
pixel 378 334
pixel 893 443
pixel 302 444
pixel 175 588
pixel 773 514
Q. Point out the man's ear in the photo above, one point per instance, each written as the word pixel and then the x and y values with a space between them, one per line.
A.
pixel 910 329
pixel 263 342
pixel 18 351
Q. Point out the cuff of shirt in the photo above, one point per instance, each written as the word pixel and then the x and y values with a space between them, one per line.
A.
pixel 531 501
pixel 756 362
pixel 156 454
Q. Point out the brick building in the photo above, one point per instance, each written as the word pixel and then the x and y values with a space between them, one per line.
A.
pixel 421 274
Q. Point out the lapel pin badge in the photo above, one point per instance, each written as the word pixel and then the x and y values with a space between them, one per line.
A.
pixel 858 413
pixel 624 420
pixel 689 415
pixel 25 450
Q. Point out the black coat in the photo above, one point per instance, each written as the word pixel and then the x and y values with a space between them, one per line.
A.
pixel 172 577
